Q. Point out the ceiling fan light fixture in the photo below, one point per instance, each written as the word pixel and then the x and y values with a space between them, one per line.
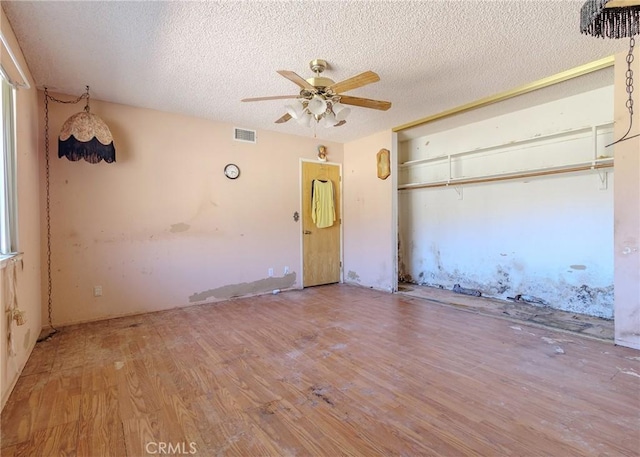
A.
pixel 330 119
pixel 305 119
pixel 317 105
pixel 295 111
pixel 341 112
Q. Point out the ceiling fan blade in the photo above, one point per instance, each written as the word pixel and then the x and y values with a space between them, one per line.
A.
pixel 275 97
pixel 284 118
pixel 299 80
pixel 365 102
pixel 354 82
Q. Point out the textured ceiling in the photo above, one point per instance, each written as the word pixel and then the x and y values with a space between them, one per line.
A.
pixel 202 58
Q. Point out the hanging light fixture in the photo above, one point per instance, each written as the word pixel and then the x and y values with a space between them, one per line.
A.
pixel 319 107
pixel 340 111
pixel 614 19
pixel 321 98
pixel 85 136
pixel 295 111
pixel 318 101
pixel 330 119
pixel 305 119
pixel 610 18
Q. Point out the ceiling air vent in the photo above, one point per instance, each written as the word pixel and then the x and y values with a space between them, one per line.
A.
pixel 248 136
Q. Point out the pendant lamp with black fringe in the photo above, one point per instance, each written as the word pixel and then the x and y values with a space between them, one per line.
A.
pixel 85 136
pixel 610 18
pixel 615 19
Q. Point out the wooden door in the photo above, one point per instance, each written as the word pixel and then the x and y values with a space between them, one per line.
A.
pixel 320 246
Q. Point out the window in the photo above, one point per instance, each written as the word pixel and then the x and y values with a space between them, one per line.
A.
pixel 8 172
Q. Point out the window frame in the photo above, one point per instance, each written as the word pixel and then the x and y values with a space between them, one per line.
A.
pixel 8 171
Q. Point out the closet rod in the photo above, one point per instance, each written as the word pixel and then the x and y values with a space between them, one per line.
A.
pixel 539 84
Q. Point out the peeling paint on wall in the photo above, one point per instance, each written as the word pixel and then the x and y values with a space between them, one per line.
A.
pixel 507 281
pixel 246 288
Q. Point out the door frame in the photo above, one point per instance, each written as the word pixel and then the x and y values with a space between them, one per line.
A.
pixel 340 209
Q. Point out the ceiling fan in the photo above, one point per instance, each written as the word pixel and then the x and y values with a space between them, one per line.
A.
pixel 321 98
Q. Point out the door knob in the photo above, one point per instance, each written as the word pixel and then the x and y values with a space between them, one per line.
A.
pixel 307 232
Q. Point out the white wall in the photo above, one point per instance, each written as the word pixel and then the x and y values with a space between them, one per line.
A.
pixel 550 238
pixel 162 226
pixel 627 213
pixel 369 222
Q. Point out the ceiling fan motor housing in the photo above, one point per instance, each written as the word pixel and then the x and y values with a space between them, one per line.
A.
pixel 318 66
pixel 320 81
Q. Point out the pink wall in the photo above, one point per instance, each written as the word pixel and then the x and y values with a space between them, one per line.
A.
pixel 626 213
pixel 28 272
pixel 370 225
pixel 162 226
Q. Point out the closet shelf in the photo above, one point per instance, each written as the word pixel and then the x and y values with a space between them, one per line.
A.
pixel 523 141
pixel 595 164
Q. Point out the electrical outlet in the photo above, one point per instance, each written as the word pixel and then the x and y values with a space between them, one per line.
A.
pixel 97 291
pixel 270 272
pixel 286 270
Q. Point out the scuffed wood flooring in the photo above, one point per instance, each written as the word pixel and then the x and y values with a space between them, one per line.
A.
pixel 518 311
pixel 328 371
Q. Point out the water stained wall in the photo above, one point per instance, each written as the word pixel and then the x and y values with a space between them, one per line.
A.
pixel 548 239
pixel 163 226
pixel 504 257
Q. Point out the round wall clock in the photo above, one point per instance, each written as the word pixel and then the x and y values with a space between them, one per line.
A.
pixel 231 171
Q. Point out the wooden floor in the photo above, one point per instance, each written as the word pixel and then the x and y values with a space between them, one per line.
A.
pixel 328 371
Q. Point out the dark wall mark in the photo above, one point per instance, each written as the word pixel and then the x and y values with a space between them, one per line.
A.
pixel 353 276
pixel 589 296
pixel 578 267
pixel 502 282
pixel 180 227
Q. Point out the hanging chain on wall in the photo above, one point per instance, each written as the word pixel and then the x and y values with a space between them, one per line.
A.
pixel 48 97
pixel 629 85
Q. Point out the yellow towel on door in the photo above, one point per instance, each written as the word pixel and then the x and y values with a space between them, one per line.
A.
pixel 323 210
